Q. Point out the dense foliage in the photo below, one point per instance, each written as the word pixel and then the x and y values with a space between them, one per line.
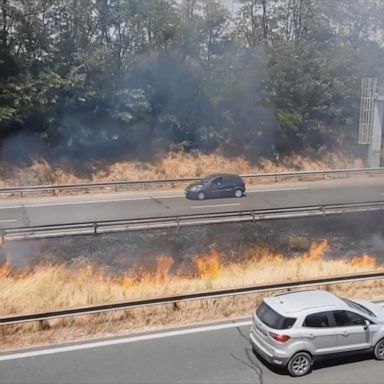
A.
pixel 132 78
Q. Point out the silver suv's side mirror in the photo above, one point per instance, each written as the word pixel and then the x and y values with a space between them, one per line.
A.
pixel 366 324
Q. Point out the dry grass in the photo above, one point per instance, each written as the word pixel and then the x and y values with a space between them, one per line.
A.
pixel 173 165
pixel 57 286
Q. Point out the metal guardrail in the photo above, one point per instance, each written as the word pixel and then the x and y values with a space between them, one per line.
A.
pixel 97 309
pixel 93 228
pixel 115 185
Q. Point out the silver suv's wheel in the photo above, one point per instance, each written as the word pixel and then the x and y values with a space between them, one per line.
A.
pixel 300 364
pixel 238 193
pixel 201 195
pixel 379 350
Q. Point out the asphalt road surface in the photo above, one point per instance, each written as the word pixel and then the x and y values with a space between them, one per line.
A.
pixel 217 353
pixel 133 205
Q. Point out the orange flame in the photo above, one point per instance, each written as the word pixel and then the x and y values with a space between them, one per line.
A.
pixel 317 251
pixel 143 275
pixel 164 265
pixel 208 266
pixel 364 261
pixel 5 270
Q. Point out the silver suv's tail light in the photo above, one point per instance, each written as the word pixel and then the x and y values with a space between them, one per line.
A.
pixel 279 338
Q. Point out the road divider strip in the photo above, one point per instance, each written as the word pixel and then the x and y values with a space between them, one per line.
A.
pixel 188 220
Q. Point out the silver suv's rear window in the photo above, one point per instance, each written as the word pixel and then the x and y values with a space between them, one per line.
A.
pixel 273 319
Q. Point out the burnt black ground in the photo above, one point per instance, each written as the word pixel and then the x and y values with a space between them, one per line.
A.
pixel 348 235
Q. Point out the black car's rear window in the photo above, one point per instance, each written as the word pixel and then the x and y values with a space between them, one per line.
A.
pixel 273 319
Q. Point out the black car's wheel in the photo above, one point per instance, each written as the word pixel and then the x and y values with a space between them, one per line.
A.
pixel 201 196
pixel 379 350
pixel 300 364
pixel 238 193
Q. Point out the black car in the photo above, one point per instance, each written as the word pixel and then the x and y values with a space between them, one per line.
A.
pixel 218 185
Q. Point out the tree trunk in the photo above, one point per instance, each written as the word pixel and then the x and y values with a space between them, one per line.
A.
pixel 4 41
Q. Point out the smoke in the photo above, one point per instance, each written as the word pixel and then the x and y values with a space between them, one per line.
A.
pixel 21 148
pixel 176 98
pixel 206 80
pixel 209 106
pixel 19 254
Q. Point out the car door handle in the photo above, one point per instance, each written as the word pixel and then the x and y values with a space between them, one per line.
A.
pixel 311 336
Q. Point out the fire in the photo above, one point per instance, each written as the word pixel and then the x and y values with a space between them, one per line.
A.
pixel 142 275
pixel 5 270
pixel 164 265
pixel 208 266
pixel 317 251
pixel 207 270
pixel 364 261
pixel 80 283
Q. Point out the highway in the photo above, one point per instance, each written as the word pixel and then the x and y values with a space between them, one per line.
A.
pixel 136 205
pixel 217 353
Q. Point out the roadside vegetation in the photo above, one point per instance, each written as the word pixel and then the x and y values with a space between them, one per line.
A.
pixel 173 165
pixel 134 79
pixel 50 287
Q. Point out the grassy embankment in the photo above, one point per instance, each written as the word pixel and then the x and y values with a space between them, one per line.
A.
pixel 173 165
pixel 49 287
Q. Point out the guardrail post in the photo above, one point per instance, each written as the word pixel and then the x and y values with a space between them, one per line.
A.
pixel 95 225
pixel 178 224
pixel 43 325
pixel 2 238
pixel 53 191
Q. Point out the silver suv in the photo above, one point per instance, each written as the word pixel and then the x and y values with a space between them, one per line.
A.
pixel 294 329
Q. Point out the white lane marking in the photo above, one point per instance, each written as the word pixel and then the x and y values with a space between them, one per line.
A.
pixel 168 197
pixel 214 206
pixel 8 221
pixel 125 340
pixel 87 202
pixel 278 190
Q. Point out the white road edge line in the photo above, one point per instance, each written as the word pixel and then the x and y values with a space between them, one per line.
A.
pixel 126 340
pixel 214 206
pixel 278 189
pixel 87 202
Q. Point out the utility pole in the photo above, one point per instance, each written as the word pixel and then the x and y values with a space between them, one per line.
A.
pixel 371 120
